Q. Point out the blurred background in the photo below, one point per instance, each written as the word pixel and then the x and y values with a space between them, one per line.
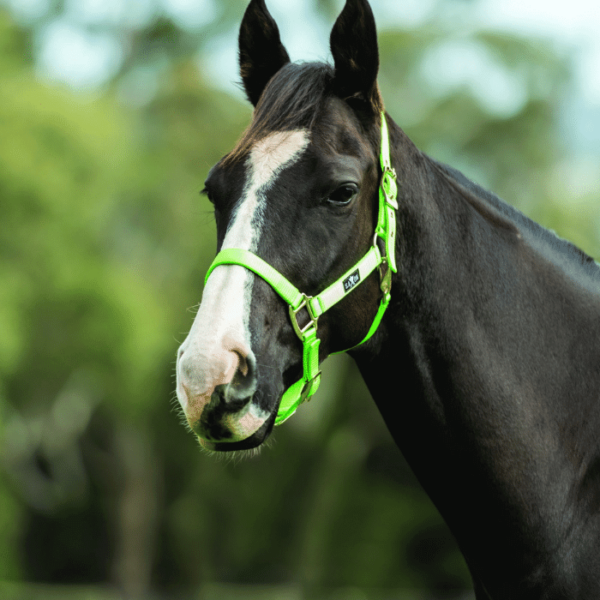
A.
pixel 111 114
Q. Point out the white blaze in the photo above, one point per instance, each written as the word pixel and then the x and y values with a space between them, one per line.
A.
pixel 221 326
pixel 267 159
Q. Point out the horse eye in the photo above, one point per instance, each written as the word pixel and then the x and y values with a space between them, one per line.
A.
pixel 205 192
pixel 344 194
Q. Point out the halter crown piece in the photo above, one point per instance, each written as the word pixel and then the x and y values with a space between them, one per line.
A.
pixel 315 306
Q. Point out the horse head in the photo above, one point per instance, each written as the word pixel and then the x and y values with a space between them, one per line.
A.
pixel 300 191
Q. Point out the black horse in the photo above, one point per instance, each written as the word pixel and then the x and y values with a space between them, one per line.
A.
pixel 486 366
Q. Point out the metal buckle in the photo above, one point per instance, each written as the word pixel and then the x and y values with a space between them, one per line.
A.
pixel 300 331
pixel 385 279
pixel 390 174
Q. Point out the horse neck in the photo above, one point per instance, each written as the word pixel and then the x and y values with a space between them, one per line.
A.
pixel 483 377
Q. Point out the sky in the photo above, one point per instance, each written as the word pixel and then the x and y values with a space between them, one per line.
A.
pixel 575 23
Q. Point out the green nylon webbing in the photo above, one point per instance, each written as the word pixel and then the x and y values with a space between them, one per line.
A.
pixel 319 305
pixel 386 230
pixel 236 256
pixel 388 192
pixel 336 291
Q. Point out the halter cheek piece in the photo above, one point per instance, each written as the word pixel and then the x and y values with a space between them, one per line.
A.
pixel 315 306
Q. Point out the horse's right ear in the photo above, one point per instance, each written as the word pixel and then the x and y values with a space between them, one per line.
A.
pixel 261 52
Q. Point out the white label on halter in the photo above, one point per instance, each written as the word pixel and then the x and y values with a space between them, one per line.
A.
pixel 351 280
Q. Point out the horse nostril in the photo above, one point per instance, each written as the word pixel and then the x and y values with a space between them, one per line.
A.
pixel 243 384
pixel 227 367
pixel 243 367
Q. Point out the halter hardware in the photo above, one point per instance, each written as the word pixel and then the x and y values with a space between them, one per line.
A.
pixel 375 258
pixel 300 331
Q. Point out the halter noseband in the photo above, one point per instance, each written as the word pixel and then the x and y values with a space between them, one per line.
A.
pixel 315 306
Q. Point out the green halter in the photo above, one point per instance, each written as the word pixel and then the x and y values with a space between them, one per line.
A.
pixel 315 306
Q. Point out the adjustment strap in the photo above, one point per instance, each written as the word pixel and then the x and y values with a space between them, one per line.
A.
pixel 383 304
pixel 388 194
pixel 386 163
pixel 305 388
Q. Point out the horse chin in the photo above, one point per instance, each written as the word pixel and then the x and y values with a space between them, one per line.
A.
pixel 251 442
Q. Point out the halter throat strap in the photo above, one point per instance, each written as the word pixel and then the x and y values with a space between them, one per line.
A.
pixel 315 306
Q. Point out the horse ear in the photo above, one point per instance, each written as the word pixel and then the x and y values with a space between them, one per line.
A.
pixel 261 52
pixel 354 47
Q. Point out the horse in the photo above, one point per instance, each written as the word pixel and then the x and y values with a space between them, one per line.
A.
pixel 484 361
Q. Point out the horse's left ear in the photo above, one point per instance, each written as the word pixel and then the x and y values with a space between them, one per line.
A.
pixel 261 52
pixel 354 47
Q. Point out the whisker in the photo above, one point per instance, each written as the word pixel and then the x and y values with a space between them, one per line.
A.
pixel 266 366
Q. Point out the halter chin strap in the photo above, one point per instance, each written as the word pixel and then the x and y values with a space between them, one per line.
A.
pixel 315 306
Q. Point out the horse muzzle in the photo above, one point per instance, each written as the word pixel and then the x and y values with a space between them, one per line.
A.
pixel 215 387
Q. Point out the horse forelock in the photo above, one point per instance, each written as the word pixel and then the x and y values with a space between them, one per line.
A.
pixel 292 100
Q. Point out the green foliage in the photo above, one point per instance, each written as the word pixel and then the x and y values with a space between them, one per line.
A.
pixel 104 243
pixel 15 45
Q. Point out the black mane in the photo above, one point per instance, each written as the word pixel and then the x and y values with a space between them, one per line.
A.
pixel 294 97
pixel 539 234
